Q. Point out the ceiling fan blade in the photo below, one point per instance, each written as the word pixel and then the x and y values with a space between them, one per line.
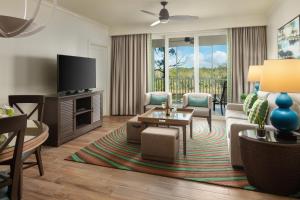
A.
pixel 155 23
pixel 149 13
pixel 183 17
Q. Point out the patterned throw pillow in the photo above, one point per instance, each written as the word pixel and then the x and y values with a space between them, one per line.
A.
pixel 259 111
pixel 248 103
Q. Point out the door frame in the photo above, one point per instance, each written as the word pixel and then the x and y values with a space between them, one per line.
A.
pixel 107 88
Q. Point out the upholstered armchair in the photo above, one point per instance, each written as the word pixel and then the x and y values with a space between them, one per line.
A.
pixel 154 99
pixel 201 103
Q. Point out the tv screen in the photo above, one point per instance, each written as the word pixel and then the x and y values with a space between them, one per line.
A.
pixel 75 73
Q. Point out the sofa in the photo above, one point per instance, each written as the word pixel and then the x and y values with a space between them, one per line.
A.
pixel 237 120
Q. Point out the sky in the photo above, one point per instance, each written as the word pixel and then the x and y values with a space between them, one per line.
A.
pixel 187 54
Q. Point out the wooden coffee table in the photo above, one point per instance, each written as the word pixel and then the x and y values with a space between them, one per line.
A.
pixel 182 118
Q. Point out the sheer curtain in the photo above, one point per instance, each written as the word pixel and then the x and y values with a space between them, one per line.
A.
pixel 248 46
pixel 129 58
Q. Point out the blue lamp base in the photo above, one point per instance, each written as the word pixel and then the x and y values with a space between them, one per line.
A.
pixel 256 87
pixel 284 118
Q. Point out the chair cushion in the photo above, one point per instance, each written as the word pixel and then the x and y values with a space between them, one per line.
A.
pixel 148 107
pixel 259 111
pixel 4 195
pixel 198 101
pixel 236 114
pixel 158 99
pixel 200 111
pixel 248 103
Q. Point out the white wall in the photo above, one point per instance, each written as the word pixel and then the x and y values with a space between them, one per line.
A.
pixel 282 12
pixel 28 65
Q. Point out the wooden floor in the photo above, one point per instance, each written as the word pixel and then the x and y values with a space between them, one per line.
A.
pixel 70 180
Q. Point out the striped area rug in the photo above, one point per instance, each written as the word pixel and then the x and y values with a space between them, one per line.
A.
pixel 207 157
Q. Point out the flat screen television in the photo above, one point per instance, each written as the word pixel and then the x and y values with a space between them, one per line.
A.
pixel 75 73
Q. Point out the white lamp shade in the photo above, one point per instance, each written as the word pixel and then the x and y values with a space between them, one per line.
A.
pixel 254 73
pixel 281 76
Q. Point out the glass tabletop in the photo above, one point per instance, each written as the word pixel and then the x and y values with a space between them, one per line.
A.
pixel 272 137
pixel 173 115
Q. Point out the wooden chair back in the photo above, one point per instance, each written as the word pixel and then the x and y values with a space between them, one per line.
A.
pixel 15 127
pixel 224 92
pixel 39 100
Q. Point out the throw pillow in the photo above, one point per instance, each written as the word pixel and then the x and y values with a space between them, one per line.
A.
pixel 198 101
pixel 158 99
pixel 259 111
pixel 248 103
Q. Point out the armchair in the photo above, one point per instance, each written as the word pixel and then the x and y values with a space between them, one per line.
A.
pixel 203 110
pixel 148 105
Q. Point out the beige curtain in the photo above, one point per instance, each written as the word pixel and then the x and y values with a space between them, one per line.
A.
pixel 248 46
pixel 128 73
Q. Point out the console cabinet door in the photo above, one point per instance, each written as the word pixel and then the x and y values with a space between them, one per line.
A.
pixel 96 108
pixel 66 118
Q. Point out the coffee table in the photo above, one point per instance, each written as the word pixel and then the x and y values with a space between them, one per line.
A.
pixel 182 118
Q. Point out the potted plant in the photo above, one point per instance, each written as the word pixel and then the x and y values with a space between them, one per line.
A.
pixel 243 97
pixel 261 131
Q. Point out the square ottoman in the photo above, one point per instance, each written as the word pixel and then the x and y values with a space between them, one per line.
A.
pixel 134 129
pixel 160 144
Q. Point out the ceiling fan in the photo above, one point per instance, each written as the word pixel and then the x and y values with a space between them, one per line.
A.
pixel 164 17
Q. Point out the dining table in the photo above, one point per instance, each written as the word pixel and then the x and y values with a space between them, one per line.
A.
pixel 36 133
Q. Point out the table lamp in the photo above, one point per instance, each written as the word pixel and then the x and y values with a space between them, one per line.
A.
pixel 282 76
pixel 254 74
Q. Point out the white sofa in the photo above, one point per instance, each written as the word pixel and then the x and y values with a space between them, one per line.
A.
pixel 237 120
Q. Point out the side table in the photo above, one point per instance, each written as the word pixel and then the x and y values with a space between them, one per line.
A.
pixel 272 164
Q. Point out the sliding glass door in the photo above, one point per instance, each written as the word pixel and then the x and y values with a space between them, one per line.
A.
pixel 212 64
pixel 181 67
pixel 191 64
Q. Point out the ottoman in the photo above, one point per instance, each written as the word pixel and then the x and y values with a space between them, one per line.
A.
pixel 160 144
pixel 134 129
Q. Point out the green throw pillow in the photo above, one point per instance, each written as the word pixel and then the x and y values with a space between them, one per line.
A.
pixel 198 101
pixel 259 111
pixel 158 99
pixel 248 103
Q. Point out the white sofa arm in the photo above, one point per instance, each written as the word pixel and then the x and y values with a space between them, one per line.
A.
pixel 170 98
pixel 185 100
pixel 147 99
pixel 210 101
pixel 234 142
pixel 235 106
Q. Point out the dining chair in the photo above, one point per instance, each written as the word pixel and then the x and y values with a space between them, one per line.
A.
pixel 39 101
pixel 222 101
pixel 12 129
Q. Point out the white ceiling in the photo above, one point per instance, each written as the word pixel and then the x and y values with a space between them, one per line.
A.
pixel 127 12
